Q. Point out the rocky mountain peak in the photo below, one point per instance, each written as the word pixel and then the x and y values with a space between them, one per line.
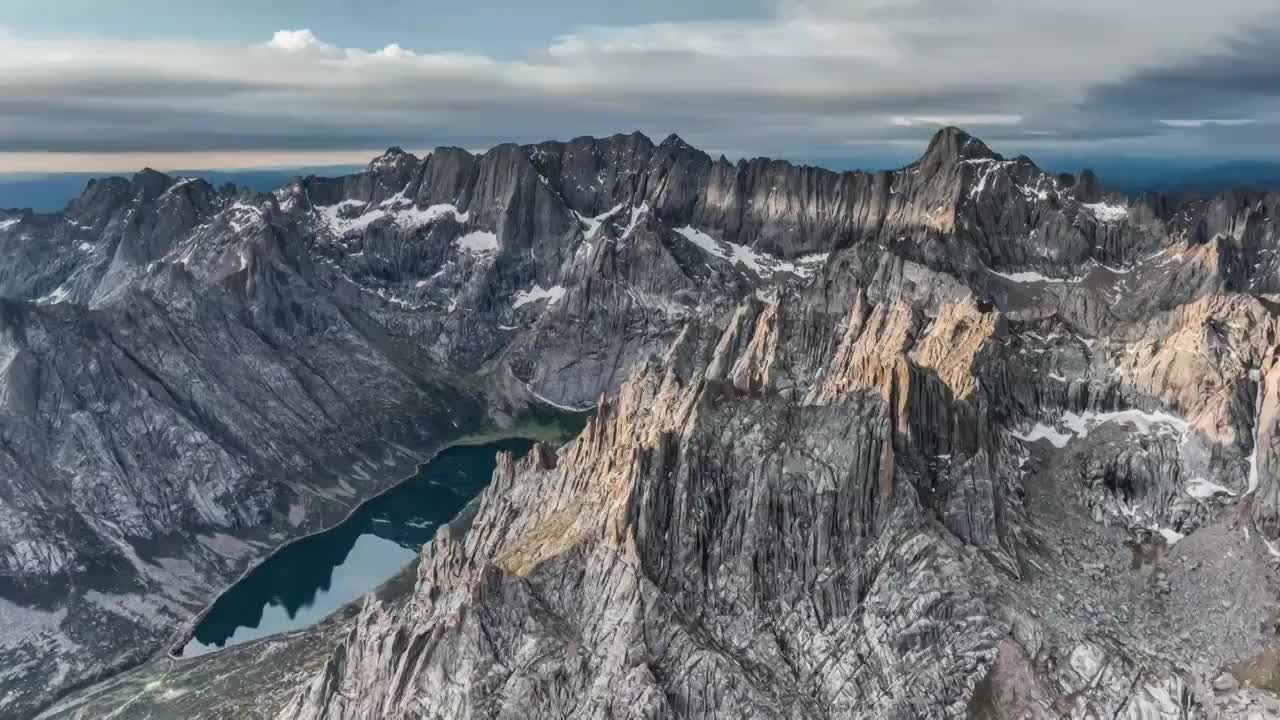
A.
pixel 149 184
pixel 100 193
pixel 635 136
pixel 675 141
pixel 675 146
pixel 1087 189
pixel 950 145
pixel 394 159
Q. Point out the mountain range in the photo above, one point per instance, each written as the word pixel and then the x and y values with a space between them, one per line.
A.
pixel 963 439
pixel 51 192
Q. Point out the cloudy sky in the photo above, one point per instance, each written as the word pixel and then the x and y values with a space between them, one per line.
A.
pixel 241 83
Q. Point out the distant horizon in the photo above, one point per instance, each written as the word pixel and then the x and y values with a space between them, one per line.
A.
pixel 889 156
pixel 130 162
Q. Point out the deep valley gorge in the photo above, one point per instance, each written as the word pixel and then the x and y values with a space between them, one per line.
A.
pixel 965 439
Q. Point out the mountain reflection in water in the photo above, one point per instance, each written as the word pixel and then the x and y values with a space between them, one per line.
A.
pixel 307 581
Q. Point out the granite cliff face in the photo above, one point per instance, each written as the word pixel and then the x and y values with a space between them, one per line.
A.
pixel 960 440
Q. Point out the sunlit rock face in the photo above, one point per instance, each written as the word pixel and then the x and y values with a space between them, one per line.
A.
pixel 963 439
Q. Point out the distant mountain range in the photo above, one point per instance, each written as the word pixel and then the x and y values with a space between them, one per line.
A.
pixel 51 192
pixel 1174 176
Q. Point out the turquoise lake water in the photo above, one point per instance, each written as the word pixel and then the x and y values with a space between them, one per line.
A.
pixel 308 580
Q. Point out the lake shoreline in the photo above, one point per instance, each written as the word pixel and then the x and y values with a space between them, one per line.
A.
pixel 530 430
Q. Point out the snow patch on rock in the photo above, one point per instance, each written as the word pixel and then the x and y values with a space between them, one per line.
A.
pixel 636 213
pixel 241 217
pixel 1029 276
pixel 992 167
pixel 55 297
pixel 1077 425
pixel 1040 431
pixel 543 399
pixel 415 217
pixel 341 218
pixel 592 225
pixel 1200 488
pixel 1253 454
pixel 1141 519
pixel 478 242
pixel 552 295
pixel 762 264
pixel 1107 212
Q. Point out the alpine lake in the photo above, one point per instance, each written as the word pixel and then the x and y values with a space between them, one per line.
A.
pixel 311 578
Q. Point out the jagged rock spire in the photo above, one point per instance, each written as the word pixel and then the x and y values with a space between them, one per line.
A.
pixel 950 145
pixel 1088 188
pixel 394 157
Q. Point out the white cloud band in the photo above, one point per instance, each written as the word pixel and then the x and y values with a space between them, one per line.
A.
pixel 815 76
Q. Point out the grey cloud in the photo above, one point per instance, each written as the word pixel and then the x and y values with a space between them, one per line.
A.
pixel 819 77
pixel 145 84
pixel 1232 82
